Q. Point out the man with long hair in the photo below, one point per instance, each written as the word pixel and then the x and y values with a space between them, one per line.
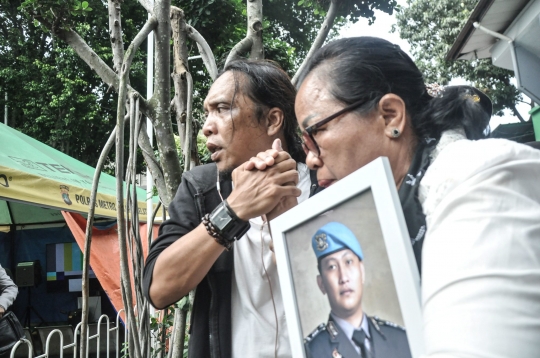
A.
pixel 217 239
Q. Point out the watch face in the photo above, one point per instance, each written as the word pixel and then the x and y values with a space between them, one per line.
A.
pixel 221 219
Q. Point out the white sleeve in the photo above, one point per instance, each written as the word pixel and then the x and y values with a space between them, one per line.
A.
pixel 8 289
pixel 481 255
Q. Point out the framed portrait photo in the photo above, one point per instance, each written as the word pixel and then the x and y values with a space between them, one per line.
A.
pixel 347 271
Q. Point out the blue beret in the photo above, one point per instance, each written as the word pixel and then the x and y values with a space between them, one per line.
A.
pixel 333 237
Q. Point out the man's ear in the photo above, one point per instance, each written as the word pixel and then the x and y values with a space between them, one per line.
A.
pixel 363 272
pixel 393 110
pixel 321 285
pixel 274 121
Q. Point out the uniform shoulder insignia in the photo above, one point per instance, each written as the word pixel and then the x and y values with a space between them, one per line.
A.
pixel 332 330
pixel 315 332
pixel 382 322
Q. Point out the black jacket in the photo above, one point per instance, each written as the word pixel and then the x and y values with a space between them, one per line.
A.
pixel 210 330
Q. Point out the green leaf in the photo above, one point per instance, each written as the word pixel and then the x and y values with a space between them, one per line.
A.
pixel 431 28
pixel 84 4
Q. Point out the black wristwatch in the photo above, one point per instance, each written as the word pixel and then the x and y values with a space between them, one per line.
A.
pixel 229 226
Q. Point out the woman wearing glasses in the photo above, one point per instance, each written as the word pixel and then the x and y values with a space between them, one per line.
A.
pixel 472 206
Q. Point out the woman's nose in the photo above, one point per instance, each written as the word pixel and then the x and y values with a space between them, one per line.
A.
pixel 313 162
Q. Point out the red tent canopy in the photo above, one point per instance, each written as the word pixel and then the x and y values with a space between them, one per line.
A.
pixel 105 255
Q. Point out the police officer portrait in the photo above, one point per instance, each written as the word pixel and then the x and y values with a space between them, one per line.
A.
pixel 345 293
pixel 349 332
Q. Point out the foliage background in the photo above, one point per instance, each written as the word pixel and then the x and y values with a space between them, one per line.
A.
pixel 55 98
pixel 431 27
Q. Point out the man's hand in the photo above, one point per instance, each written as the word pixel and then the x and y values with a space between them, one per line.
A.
pixel 266 160
pixel 258 192
pixel 2 310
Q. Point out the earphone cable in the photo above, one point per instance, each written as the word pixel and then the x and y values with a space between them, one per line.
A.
pixel 265 222
pixel 270 284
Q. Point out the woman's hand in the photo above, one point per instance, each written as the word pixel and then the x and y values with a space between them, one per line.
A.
pixel 268 158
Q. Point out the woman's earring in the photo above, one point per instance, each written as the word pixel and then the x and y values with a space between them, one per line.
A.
pixel 395 133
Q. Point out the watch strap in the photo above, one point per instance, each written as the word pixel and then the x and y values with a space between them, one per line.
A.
pixel 234 230
pixel 237 228
pixel 211 229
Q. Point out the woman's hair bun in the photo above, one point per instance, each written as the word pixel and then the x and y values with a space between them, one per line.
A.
pixel 458 107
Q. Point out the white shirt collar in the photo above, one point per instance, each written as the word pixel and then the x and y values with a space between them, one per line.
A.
pixel 348 328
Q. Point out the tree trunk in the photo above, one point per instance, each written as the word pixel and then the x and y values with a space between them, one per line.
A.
pixel 253 40
pixel 115 34
pixel 179 75
pixel 255 27
pixel 161 100
pixel 179 333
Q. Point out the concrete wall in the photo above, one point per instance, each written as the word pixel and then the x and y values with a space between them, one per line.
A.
pixel 380 297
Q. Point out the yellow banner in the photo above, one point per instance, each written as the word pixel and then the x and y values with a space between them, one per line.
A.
pixel 53 193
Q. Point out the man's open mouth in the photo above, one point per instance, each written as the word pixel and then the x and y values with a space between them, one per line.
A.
pixel 214 149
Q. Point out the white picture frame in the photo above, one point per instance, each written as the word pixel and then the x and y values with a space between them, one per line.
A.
pixel 375 178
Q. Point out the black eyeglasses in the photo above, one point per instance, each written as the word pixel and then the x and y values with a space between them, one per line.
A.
pixel 309 144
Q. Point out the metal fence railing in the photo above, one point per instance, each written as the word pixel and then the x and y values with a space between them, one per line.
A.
pixel 94 347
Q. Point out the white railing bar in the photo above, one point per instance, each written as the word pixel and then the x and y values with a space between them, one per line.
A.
pixel 98 337
pixel 76 342
pixel 46 354
pixel 109 337
pixel 99 334
pixel 118 332
pixel 21 341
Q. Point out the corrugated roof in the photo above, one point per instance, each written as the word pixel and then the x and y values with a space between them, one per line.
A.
pixel 519 132
pixel 496 15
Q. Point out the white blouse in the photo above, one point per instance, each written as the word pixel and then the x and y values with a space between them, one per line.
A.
pixel 481 255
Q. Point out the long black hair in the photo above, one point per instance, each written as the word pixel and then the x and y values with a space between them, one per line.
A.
pixel 368 68
pixel 268 86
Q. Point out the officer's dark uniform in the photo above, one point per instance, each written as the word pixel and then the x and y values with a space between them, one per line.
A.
pixel 387 340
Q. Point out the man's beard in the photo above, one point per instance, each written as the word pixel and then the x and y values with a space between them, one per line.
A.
pixel 225 174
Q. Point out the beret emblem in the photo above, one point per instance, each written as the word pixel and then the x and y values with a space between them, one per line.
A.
pixel 322 244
